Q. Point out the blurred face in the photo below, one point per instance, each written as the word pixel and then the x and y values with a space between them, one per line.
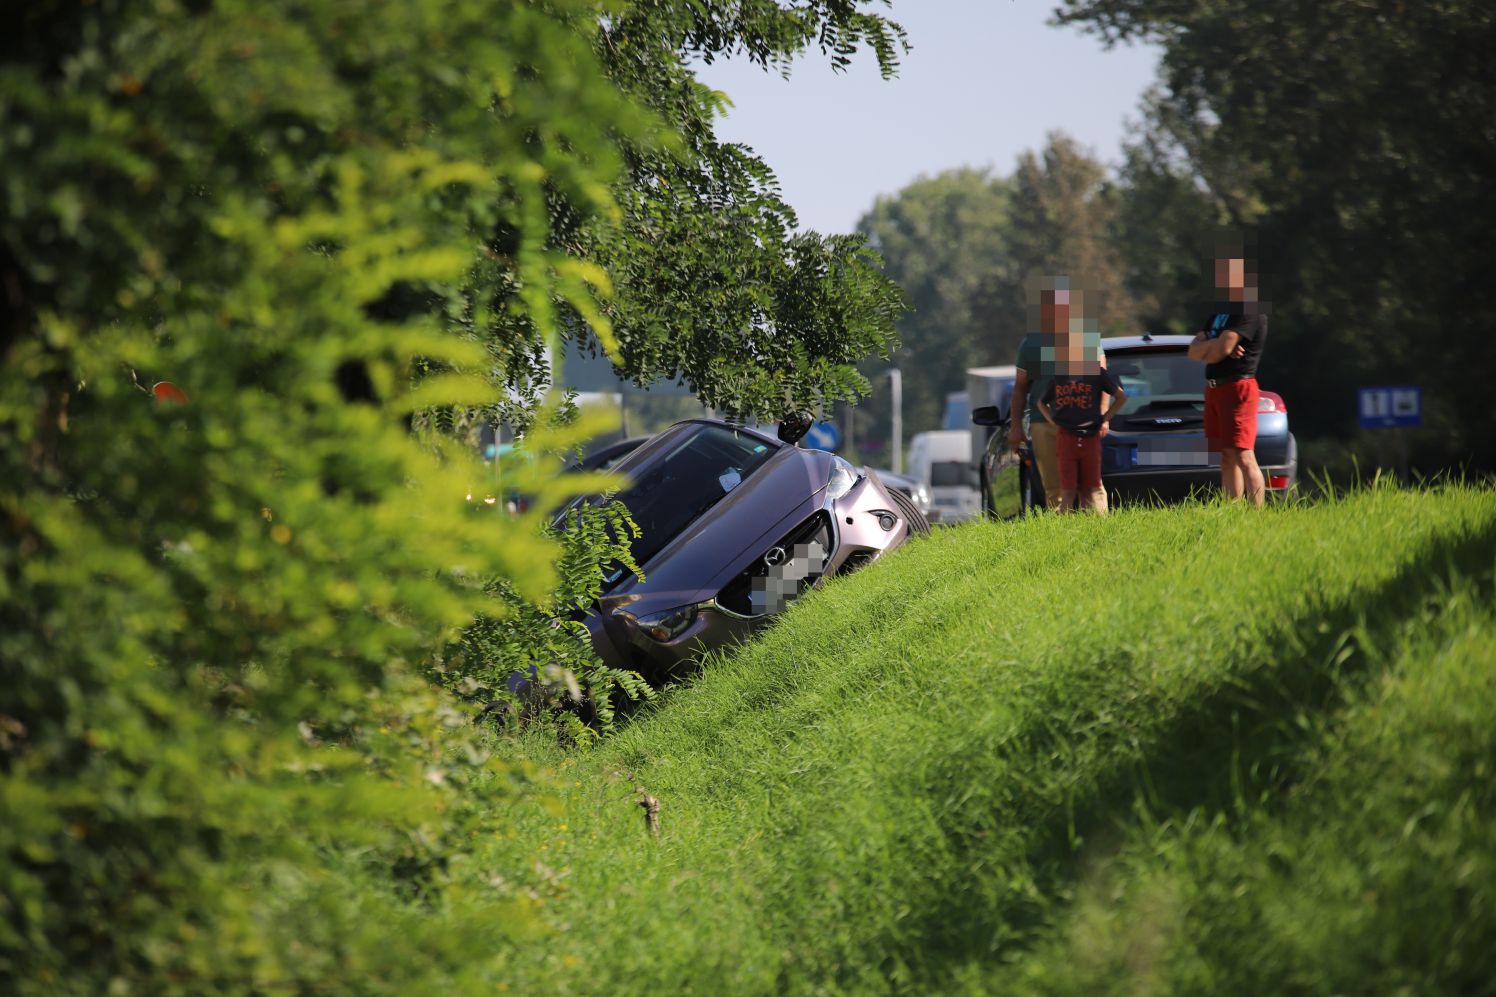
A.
pixel 1231 278
pixel 1054 312
pixel 1073 350
pixel 1073 355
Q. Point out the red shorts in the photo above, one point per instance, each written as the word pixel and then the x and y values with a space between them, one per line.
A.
pixel 1231 414
pixel 1080 461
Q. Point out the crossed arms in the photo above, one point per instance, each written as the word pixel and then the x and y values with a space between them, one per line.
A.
pixel 1228 344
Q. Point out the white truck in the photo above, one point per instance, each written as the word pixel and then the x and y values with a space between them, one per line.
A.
pixel 942 460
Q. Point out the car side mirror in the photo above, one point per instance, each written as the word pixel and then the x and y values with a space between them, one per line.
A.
pixel 793 427
pixel 987 415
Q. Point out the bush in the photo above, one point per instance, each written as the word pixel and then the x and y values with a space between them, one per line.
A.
pixel 536 660
pixel 221 767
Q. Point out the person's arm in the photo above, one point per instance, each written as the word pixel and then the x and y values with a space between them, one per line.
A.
pixel 1016 407
pixel 1227 344
pixel 1119 398
pixel 1197 346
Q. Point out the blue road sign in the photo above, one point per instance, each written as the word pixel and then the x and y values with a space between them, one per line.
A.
pixel 823 436
pixel 1391 407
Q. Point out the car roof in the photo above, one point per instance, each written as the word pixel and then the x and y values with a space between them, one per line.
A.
pixel 1144 341
pixel 752 430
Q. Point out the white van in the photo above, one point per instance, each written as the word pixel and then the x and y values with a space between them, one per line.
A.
pixel 942 460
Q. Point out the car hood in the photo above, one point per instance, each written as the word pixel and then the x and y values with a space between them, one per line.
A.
pixel 788 488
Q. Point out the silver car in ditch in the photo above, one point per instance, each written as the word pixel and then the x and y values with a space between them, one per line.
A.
pixel 736 525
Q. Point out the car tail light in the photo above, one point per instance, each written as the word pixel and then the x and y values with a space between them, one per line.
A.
pixel 1277 482
pixel 1271 401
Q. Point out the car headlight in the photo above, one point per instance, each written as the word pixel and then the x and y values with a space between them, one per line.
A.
pixel 843 477
pixel 668 625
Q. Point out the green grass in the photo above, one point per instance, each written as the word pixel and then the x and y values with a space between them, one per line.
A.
pixel 1176 749
pixel 1376 871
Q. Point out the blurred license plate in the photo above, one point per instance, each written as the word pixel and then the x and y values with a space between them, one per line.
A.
pixel 1178 458
pixel 790 572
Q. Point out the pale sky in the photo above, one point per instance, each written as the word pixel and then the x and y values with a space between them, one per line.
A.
pixel 985 80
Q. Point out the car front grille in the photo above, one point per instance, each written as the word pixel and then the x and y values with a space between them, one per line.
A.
pixel 782 572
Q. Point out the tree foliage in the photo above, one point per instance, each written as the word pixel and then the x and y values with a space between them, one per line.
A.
pixel 1356 139
pixel 533 661
pixel 964 244
pixel 715 287
pixel 943 239
pixel 1062 215
pixel 1165 219
pixel 222 766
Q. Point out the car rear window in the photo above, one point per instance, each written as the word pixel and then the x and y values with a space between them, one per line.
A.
pixel 671 489
pixel 1158 379
pixel 949 473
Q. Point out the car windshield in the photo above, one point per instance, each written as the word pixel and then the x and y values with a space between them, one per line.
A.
pixel 949 473
pixel 671 490
pixel 1158 379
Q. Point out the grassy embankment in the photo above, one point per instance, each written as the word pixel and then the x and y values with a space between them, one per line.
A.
pixel 1202 749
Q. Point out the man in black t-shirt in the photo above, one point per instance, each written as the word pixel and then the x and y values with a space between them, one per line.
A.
pixel 1072 404
pixel 1230 343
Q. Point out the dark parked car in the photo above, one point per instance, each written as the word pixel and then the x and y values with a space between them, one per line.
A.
pixel 605 458
pixel 736 525
pixel 1156 448
pixel 915 490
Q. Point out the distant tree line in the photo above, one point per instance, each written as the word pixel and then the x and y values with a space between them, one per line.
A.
pixel 964 243
pixel 1355 141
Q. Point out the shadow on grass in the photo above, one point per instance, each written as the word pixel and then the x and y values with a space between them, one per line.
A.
pixel 1237 747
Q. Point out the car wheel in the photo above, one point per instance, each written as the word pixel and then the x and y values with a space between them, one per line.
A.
pixel 918 524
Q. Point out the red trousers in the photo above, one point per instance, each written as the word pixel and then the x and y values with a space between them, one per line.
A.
pixel 1080 462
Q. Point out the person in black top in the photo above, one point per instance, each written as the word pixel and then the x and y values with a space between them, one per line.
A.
pixel 1073 405
pixel 1230 343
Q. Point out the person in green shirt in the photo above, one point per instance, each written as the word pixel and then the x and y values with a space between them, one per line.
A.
pixel 1060 311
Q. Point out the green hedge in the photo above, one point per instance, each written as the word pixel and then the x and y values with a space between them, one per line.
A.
pixel 222 766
